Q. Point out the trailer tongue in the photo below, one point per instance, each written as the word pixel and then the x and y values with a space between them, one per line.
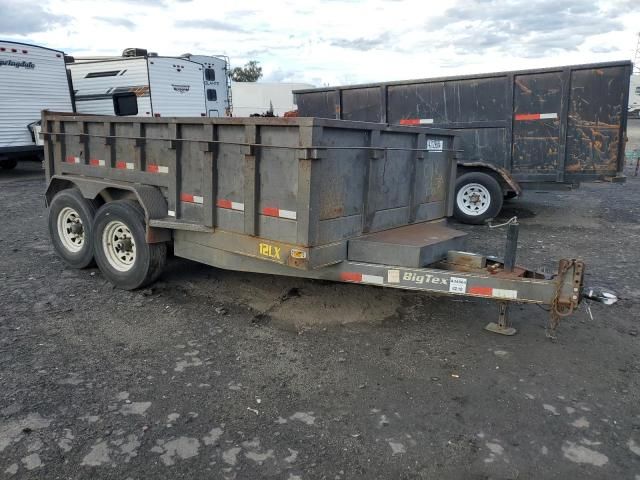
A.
pixel 324 199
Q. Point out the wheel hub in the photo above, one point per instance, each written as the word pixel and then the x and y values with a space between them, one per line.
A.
pixel 70 229
pixel 473 199
pixel 118 246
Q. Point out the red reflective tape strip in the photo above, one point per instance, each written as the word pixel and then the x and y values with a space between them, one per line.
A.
pixel 222 203
pixel 536 116
pixel 351 277
pixel 96 162
pixel 270 211
pixel 73 159
pixel 189 198
pixel 154 168
pixel 278 212
pixel 486 291
pixel 124 165
pixel 410 121
pixel 528 116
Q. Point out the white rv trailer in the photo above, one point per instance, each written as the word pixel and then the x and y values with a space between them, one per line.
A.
pixel 217 83
pixel 257 98
pixel 144 86
pixel 32 79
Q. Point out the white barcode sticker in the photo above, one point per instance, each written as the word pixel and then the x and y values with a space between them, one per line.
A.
pixel 435 145
pixel 458 285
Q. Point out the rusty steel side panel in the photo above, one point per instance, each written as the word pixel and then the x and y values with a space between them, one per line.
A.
pixel 595 133
pixel 322 104
pixel 560 125
pixel 536 141
pixel 298 181
pixel 363 104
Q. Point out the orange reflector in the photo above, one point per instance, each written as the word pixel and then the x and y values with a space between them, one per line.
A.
pixel 295 253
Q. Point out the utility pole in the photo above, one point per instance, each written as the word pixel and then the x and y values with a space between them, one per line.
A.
pixel 636 58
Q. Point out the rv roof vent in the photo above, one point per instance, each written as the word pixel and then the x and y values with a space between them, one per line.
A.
pixel 185 55
pixel 152 54
pixel 134 52
pixel 69 59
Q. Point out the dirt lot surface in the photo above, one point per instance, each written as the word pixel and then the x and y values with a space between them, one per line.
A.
pixel 216 374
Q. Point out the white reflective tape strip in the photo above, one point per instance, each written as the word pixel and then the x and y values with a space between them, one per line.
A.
pixel 129 166
pixel 162 169
pixel 101 163
pixel 375 279
pixel 171 213
pixel 548 115
pixel 393 276
pixel 198 199
pixel 237 206
pixel 501 293
pixel 424 121
pixel 288 214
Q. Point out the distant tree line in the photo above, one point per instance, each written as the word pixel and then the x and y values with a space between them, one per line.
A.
pixel 251 72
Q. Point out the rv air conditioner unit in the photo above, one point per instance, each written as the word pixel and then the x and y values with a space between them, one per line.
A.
pixel 134 52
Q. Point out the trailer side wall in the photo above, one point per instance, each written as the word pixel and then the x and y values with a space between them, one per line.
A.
pixel 564 124
pixel 307 182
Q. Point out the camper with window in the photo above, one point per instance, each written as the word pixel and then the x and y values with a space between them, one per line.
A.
pixel 217 83
pixel 138 84
pixel 32 79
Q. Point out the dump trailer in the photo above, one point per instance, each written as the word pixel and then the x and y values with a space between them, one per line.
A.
pixel 543 128
pixel 316 198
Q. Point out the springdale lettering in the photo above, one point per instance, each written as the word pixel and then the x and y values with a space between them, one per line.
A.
pixel 13 63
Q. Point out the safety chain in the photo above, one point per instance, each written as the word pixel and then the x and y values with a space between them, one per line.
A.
pixel 558 311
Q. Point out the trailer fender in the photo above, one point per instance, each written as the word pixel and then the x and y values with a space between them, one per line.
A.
pixel 149 197
pixel 507 181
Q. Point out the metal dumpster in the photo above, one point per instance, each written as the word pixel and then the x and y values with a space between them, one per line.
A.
pixel 316 198
pixel 312 183
pixel 530 128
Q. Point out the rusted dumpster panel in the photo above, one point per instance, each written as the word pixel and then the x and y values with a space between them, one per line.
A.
pixel 564 124
pixel 299 181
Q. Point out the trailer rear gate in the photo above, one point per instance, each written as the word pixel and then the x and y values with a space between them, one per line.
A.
pixel 564 124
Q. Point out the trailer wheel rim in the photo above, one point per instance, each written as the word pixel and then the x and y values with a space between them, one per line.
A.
pixel 118 246
pixel 473 199
pixel 70 229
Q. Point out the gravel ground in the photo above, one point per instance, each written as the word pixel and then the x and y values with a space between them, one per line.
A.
pixel 216 374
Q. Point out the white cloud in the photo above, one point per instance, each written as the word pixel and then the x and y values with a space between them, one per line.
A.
pixel 340 41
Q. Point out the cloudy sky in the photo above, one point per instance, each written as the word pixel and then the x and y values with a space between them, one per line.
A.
pixel 333 42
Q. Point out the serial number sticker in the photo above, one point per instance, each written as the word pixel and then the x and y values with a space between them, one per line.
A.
pixel 458 285
pixel 435 145
pixel 393 276
pixel 501 293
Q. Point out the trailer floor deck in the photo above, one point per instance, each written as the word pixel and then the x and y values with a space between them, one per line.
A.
pixel 230 375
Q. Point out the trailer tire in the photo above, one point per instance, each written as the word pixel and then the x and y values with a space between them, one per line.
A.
pixel 8 164
pixel 121 250
pixel 70 223
pixel 478 197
